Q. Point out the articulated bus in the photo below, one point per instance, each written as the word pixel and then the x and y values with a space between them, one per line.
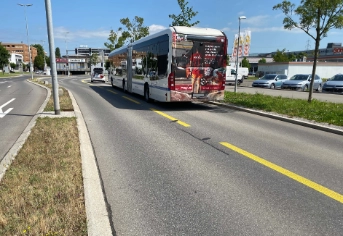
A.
pixel 177 64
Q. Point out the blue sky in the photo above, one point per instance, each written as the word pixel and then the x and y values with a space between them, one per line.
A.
pixel 90 21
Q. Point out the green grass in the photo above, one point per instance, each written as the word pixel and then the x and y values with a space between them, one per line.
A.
pixel 324 112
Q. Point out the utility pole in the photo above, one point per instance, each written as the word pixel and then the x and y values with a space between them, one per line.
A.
pixel 27 32
pixel 52 57
pixel 67 65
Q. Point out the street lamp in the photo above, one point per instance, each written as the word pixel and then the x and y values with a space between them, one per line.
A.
pixel 239 35
pixel 27 32
pixel 67 65
pixel 44 54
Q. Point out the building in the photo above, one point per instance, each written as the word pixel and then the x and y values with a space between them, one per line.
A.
pixel 22 49
pixel 79 62
pixel 323 69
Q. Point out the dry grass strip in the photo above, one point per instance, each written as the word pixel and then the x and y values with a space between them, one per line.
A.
pixel 42 192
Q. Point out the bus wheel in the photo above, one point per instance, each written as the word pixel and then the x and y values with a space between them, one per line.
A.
pixel 146 94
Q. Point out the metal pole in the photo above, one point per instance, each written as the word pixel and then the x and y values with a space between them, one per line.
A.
pixel 44 55
pixel 239 35
pixel 52 57
pixel 67 65
pixel 237 62
pixel 27 33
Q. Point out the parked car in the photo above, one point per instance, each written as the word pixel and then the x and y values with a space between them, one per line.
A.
pixel 271 81
pixel 230 77
pixel 302 82
pixel 334 84
pixel 98 75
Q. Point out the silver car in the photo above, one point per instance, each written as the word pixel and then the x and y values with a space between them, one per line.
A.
pixel 334 84
pixel 302 82
pixel 270 81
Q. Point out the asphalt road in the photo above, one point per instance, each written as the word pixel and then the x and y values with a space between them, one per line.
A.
pixel 199 169
pixel 19 102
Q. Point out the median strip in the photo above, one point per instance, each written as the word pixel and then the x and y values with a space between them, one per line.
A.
pixel 170 118
pixel 328 192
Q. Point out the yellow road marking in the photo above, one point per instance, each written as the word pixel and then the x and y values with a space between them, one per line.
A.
pixel 170 117
pixel 328 192
pixel 111 91
pixel 130 99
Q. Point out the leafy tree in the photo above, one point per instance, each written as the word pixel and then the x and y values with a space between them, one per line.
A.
pixel 245 63
pixel 4 57
pixel 320 15
pixel 184 18
pixel 134 30
pixel 280 56
pixel 262 60
pixel 300 56
pixel 94 59
pixel 291 57
pixel 113 39
pixel 13 65
pixel 38 62
pixel 57 52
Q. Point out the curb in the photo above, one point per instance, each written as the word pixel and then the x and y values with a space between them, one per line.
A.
pixel 97 216
pixel 297 121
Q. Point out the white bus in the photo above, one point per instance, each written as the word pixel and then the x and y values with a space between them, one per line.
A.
pixel 178 64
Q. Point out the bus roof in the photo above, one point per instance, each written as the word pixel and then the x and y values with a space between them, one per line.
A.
pixel 197 31
pixel 172 29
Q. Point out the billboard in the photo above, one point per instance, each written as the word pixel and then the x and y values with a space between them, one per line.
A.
pixel 244 44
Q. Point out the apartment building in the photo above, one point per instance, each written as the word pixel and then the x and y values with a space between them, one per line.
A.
pixel 23 49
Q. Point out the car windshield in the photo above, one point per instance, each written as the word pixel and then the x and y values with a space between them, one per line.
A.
pixel 299 77
pixel 268 77
pixel 337 78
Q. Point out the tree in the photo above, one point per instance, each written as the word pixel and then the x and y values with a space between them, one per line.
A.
pixel 113 39
pixel 134 30
pixel 107 64
pixel 184 18
pixel 94 59
pixel 320 15
pixel 38 62
pixel 245 63
pixel 262 60
pixel 280 56
pixel 57 53
pixel 4 57
pixel 291 57
pixel 13 65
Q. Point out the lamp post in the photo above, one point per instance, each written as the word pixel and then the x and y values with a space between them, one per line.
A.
pixel 67 65
pixel 239 35
pixel 27 32
pixel 44 55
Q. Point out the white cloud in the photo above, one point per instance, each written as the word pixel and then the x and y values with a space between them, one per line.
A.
pixel 63 33
pixel 156 28
pixel 256 20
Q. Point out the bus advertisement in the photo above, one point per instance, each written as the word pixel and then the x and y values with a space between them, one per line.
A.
pixel 177 64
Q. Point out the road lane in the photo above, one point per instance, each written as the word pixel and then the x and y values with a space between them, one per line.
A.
pixel 26 98
pixel 161 178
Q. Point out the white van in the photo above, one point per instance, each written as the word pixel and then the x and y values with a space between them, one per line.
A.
pixel 231 76
pixel 243 71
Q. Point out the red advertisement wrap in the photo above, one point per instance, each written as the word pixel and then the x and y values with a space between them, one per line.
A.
pixel 199 67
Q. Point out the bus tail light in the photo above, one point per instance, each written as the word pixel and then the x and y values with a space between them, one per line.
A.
pixel 171 81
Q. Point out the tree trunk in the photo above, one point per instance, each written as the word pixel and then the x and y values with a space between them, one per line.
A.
pixel 316 49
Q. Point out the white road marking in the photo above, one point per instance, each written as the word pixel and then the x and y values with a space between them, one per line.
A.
pixel 2 114
pixel 8 86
